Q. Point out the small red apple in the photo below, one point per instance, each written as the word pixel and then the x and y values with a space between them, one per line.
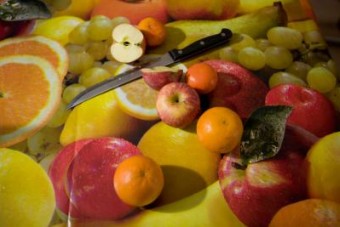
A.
pixel 237 88
pixel 90 178
pixel 13 28
pixel 177 104
pixel 311 110
pixel 58 175
pixel 255 193
pixel 157 77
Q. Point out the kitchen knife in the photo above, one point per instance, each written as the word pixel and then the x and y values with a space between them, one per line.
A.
pixel 168 59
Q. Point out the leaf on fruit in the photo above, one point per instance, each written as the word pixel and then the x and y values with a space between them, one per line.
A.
pixel 263 133
pixel 17 10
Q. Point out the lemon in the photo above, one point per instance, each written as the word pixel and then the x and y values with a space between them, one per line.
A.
pixel 26 193
pixel 57 28
pixel 187 166
pixel 98 117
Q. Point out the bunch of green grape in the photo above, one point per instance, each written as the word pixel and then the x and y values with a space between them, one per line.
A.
pixel 288 56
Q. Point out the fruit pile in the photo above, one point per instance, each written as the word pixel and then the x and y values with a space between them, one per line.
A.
pixel 214 141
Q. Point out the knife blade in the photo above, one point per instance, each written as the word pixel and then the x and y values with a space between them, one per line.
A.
pixel 170 58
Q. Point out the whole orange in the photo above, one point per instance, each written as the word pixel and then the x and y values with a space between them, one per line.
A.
pixel 202 77
pixel 138 180
pixel 307 213
pixel 153 30
pixel 219 129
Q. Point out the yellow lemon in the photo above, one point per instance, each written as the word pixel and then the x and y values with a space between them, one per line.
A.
pixel 57 28
pixel 187 166
pixel 98 117
pixel 26 193
pixel 78 8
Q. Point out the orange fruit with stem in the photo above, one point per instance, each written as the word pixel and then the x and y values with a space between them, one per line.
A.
pixel 30 91
pixel 153 30
pixel 307 213
pixel 40 46
pixel 219 129
pixel 138 180
pixel 202 77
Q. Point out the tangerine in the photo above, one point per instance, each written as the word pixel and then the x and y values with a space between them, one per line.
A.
pixel 219 129
pixel 153 31
pixel 138 180
pixel 202 77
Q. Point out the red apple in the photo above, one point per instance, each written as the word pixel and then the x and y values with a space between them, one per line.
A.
pixel 13 28
pixel 311 110
pixel 237 88
pixel 157 77
pixel 134 10
pixel 177 104
pixel 58 174
pixel 90 178
pixel 257 192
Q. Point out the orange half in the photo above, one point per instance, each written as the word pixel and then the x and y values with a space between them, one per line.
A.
pixel 30 91
pixel 40 46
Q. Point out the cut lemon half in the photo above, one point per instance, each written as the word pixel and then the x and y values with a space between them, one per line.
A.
pixel 30 93
pixel 136 98
pixel 40 46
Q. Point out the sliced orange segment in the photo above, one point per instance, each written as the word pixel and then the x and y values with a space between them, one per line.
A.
pixel 30 91
pixel 40 46
pixel 137 98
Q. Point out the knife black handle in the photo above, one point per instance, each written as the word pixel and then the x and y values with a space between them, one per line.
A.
pixel 201 45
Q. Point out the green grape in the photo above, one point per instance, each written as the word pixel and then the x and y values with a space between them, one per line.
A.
pixel 119 20
pixel 284 78
pixel 299 69
pixel 59 116
pixel 321 79
pixel 332 67
pixel 262 44
pixel 285 37
pixel 334 97
pixel 314 57
pixel 240 41
pixel 314 39
pixel 44 141
pixel 70 92
pixel 79 62
pixel 111 66
pixel 100 28
pixel 252 58
pixel 47 160
pixel 74 48
pixel 79 35
pixel 97 49
pixel 228 54
pixel 93 76
pixel 278 57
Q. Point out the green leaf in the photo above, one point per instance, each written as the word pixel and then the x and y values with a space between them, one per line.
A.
pixel 17 10
pixel 263 133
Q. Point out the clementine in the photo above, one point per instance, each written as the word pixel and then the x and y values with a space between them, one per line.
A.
pixel 307 213
pixel 153 30
pixel 30 91
pixel 138 180
pixel 219 129
pixel 202 77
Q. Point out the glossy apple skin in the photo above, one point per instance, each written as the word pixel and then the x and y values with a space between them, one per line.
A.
pixel 14 28
pixel 58 175
pixel 135 11
pixel 157 79
pixel 311 110
pixel 177 104
pixel 90 178
pixel 257 192
pixel 237 88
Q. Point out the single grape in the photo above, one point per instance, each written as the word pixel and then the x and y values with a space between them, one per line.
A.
pixel 284 78
pixel 285 37
pixel 111 66
pixel 299 69
pixel 71 91
pixel 252 58
pixel 97 49
pixel 228 53
pixel 93 76
pixel 332 67
pixel 79 35
pixel 240 41
pixel 334 97
pixel 79 62
pixel 100 28
pixel 314 39
pixel 59 116
pixel 44 141
pixel 321 79
pixel 74 48
pixel 278 57
pixel 262 44
pixel 119 20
